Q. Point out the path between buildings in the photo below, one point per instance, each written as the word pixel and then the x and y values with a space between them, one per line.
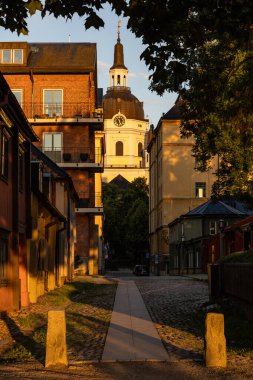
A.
pixel 132 335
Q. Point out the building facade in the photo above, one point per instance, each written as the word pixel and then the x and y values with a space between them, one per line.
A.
pixel 175 185
pixel 190 234
pixel 125 125
pixel 16 136
pixel 56 85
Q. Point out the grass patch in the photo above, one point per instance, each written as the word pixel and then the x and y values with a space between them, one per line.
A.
pixel 31 321
pixel 88 310
pixel 238 257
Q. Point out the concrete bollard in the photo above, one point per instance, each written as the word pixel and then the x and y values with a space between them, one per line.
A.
pixel 56 347
pixel 215 341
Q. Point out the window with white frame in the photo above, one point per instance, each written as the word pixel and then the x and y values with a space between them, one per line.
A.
pixel 52 145
pixel 12 56
pixel 18 95
pixel 200 189
pixel 52 101
pixel 212 228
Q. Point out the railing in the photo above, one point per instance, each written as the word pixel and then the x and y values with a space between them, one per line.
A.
pixel 118 88
pixel 60 110
pixel 125 161
pixel 89 200
pixel 75 155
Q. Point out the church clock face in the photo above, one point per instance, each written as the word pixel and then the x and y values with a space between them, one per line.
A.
pixel 119 120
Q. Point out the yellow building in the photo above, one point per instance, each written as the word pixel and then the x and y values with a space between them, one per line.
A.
pixel 175 185
pixel 125 126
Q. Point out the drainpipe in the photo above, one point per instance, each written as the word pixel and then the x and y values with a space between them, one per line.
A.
pixel 32 81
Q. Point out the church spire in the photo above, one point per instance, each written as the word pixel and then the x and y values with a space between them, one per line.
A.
pixel 118 72
pixel 118 52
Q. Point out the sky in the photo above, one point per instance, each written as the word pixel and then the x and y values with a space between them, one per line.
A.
pixel 51 29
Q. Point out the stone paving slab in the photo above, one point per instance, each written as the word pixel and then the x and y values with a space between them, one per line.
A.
pixel 132 335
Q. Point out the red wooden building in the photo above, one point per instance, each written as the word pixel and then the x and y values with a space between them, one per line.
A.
pixel 16 136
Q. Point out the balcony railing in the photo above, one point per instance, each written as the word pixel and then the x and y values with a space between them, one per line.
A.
pixel 75 155
pixel 118 88
pixel 60 110
pixel 89 200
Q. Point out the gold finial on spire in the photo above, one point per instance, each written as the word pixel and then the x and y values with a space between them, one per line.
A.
pixel 119 21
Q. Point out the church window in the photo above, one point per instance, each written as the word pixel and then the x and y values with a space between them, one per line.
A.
pixel 113 80
pixel 140 149
pixel 118 80
pixel 124 80
pixel 119 148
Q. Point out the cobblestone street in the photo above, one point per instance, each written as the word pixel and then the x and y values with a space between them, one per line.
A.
pixel 176 307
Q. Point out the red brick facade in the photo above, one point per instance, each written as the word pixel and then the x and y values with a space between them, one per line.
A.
pixel 70 68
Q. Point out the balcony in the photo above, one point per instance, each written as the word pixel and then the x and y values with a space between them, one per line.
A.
pixel 90 203
pixel 77 157
pixel 118 88
pixel 61 112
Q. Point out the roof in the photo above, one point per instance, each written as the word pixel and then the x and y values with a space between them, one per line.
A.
pixel 54 167
pixel 242 223
pixel 121 99
pixel 211 208
pixel 118 56
pixel 174 113
pixel 13 111
pixel 120 181
pixel 55 57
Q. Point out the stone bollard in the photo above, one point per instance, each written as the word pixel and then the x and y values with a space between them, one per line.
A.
pixel 56 347
pixel 215 341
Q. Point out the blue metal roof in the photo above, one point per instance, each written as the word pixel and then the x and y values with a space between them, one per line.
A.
pixel 214 208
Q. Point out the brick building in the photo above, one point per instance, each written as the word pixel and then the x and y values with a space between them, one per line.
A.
pixel 56 85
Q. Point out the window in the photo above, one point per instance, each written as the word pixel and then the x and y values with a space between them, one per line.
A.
pixel 113 80
pixel 6 56
pixel 119 148
pixel 197 259
pixel 212 228
pixel 118 80
pixel 12 56
pixel 53 102
pixel 19 96
pixel 124 80
pixel 200 189
pixel 52 145
pixel 4 149
pixel 140 148
pixel 3 258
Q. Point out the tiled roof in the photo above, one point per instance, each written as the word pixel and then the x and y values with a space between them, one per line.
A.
pixel 56 57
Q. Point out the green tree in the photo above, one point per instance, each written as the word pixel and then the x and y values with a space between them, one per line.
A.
pixel 200 49
pixel 126 220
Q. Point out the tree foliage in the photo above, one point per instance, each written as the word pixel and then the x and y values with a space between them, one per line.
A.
pixel 200 49
pixel 126 219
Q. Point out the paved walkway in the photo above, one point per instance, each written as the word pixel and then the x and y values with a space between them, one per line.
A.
pixel 132 335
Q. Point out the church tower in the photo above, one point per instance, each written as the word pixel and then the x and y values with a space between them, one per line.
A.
pixel 125 126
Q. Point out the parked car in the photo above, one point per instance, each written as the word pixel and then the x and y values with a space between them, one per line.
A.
pixel 141 270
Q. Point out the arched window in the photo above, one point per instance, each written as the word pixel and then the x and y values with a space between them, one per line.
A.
pixel 124 84
pixel 119 148
pixel 113 80
pixel 140 149
pixel 118 80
